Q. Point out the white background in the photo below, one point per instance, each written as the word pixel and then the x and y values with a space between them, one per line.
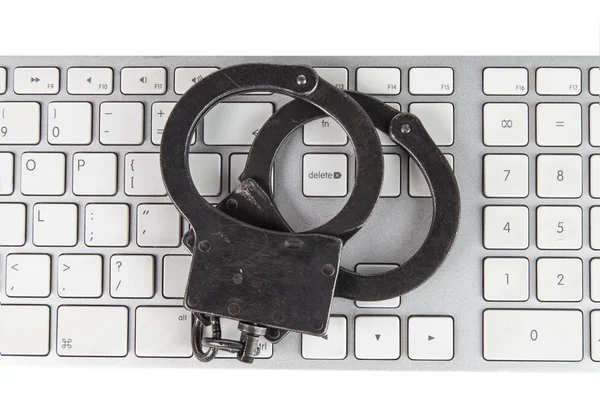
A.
pixel 257 27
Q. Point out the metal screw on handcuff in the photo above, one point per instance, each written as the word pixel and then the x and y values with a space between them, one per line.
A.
pixel 247 264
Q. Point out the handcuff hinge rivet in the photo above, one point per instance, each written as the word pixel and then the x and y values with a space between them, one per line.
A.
pixel 233 309
pixel 328 269
pixel 405 128
pixel 301 80
pixel 204 246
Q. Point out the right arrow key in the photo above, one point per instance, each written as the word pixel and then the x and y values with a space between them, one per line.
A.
pixel 430 338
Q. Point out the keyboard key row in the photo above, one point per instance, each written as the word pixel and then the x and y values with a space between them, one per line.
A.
pixel 379 80
pixel 558 175
pixel 378 338
pixel 557 124
pixel 558 279
pixel 558 227
pixel 549 81
pixel 326 175
pixel 102 331
pixel 106 225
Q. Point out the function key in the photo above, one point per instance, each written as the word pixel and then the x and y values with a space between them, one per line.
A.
pixel 89 80
pixel 2 80
pixel 143 80
pixel 431 81
pixel 594 81
pixel 186 77
pixel 338 77
pixel 558 81
pixel 37 80
pixel 384 81
pixel 505 81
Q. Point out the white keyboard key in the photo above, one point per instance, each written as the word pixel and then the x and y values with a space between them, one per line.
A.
pixel 43 174
pixel 186 77
pixel 505 124
pixel 160 115
pixel 559 279
pixel 158 225
pixel 325 175
pixel 506 175
pixel 377 269
pixel 506 227
pixel 324 132
pixel 338 77
pixel 28 275
pixel 143 176
pixel 595 124
pixel 163 332
pixel 506 279
pixel 91 331
pixel 332 346
pixel 595 334
pixel 558 81
pixel 595 228
pixel 438 120
pixel 24 330
pixel 206 173
pixel 121 123
pixel 505 81
pixel 79 275
pixel 595 81
pixel 19 123
pixel 384 81
pixel 2 80
pixel 559 176
pixel 417 185
pixel 430 338
pixel 559 228
pixel 143 80
pixel 391 176
pixel 38 80
pixel 95 174
pixel 132 276
pixel 595 280
pixel 107 225
pixel 94 80
pixel 558 124
pixel 176 269
pixel 377 337
pixel 7 173
pixel 230 331
pixel 532 335
pixel 55 224
pixel 12 228
pixel 434 80
pixel 235 123
pixel 69 123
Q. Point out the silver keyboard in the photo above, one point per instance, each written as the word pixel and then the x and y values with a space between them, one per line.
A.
pixel 92 270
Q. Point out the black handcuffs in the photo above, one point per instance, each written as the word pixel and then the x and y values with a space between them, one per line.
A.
pixel 247 264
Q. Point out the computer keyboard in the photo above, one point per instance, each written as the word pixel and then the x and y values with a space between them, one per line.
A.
pixel 92 270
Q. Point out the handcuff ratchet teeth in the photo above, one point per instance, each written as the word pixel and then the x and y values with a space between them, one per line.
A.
pixel 247 264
